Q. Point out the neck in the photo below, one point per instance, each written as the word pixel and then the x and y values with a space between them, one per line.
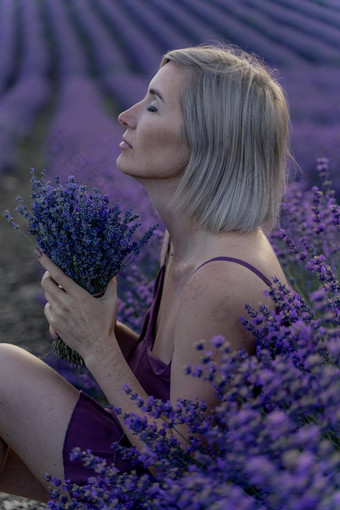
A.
pixel 182 230
pixel 190 242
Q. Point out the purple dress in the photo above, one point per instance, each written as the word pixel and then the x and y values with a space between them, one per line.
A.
pixel 94 428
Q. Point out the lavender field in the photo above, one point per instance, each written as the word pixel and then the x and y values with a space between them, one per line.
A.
pixel 67 68
pixel 83 61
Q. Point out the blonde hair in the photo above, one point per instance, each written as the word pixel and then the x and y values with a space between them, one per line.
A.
pixel 235 121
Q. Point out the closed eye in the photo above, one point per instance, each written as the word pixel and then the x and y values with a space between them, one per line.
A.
pixel 152 107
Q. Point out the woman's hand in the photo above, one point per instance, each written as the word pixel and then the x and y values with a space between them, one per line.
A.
pixel 85 323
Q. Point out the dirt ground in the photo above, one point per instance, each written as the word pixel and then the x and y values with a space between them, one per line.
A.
pixel 22 321
pixel 21 312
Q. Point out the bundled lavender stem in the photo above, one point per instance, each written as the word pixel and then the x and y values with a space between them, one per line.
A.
pixel 77 229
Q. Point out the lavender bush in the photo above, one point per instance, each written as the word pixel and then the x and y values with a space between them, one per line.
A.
pixel 77 229
pixel 273 440
pixel 307 238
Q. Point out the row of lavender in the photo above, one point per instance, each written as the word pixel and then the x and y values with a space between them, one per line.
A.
pixel 202 22
pixel 287 35
pixel 23 76
pixel 86 52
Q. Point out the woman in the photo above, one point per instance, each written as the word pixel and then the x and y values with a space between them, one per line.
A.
pixel 209 143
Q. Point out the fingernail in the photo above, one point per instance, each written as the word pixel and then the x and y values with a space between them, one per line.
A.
pixel 38 253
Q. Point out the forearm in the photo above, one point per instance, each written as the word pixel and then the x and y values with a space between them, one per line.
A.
pixel 126 338
pixel 112 372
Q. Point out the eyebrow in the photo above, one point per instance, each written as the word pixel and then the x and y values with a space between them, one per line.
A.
pixel 155 92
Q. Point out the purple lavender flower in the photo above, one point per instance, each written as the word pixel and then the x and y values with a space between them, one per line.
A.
pixel 137 293
pixel 308 228
pixel 87 239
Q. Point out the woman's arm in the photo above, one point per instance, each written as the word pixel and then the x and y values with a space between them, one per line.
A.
pixel 87 325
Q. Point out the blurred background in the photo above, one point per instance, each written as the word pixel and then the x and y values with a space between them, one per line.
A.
pixel 68 67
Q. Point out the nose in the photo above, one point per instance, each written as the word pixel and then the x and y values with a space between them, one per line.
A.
pixel 127 118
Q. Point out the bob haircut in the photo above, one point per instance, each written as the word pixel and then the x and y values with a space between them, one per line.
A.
pixel 236 122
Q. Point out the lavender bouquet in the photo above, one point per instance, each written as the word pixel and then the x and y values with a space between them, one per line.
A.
pixel 77 229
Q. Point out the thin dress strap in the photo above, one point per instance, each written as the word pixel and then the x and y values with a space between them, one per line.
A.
pixel 242 263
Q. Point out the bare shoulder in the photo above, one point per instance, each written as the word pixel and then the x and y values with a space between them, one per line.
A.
pixel 226 282
pixel 213 301
pixel 215 295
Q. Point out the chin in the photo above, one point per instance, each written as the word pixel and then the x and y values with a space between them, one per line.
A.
pixel 126 169
pixel 120 165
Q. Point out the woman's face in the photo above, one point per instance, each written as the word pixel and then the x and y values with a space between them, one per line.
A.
pixel 153 145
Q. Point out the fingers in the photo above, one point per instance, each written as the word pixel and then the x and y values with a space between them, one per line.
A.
pixel 51 320
pixel 50 286
pixel 47 281
pixel 53 333
pixel 61 279
pixel 53 294
pixel 48 313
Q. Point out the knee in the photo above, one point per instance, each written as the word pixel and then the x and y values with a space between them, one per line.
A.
pixel 14 362
pixel 9 350
pixel 10 354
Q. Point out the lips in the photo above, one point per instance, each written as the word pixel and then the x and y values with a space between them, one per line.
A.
pixel 124 144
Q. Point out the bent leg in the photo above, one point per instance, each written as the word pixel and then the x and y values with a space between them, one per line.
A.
pixel 36 405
